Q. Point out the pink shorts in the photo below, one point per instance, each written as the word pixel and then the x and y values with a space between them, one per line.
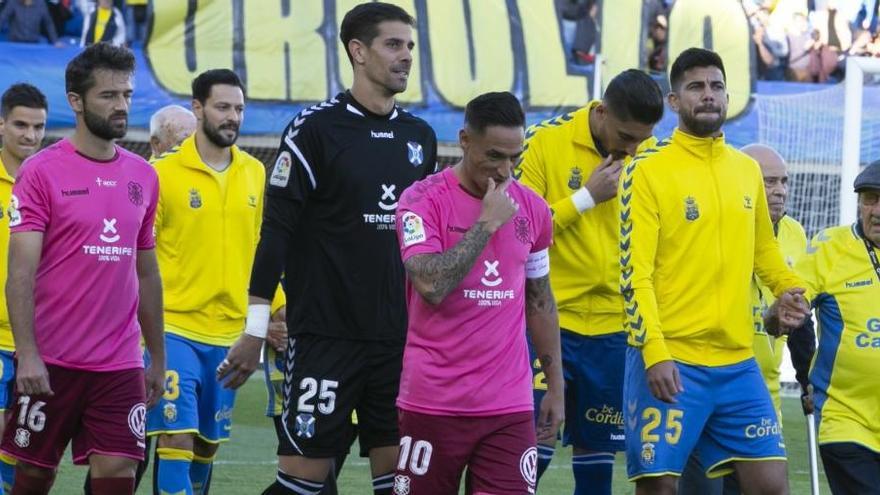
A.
pixel 498 451
pixel 102 412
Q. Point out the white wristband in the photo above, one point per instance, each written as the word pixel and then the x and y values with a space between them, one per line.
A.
pixel 257 320
pixel 583 200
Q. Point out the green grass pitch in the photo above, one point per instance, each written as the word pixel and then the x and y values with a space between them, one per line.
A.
pixel 246 464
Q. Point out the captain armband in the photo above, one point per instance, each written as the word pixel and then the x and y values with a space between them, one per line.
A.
pixel 538 264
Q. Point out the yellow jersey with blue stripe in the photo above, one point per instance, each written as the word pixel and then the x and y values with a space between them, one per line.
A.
pixel 769 350
pixel 694 226
pixel 844 374
pixel 207 228
pixel 559 156
pixel 6 183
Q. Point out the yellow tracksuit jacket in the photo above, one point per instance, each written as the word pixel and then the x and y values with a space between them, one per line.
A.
pixel 694 227
pixel 560 155
pixel 6 183
pixel 844 374
pixel 206 240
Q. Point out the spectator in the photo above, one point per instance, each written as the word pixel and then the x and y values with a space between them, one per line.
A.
pixel 60 10
pixel 103 23
pixel 657 56
pixel 587 32
pixel 25 18
pixel 832 39
pixel 136 21
pixel 801 40
pixel 772 45
pixel 862 44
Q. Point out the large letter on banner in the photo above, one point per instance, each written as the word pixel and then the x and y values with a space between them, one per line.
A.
pixel 188 38
pixel 721 26
pixel 622 35
pixel 285 53
pixel 550 85
pixel 470 48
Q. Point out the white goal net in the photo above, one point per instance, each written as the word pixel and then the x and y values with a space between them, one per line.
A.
pixel 808 131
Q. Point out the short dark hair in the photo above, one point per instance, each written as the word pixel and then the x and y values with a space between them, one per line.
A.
pixel 362 22
pixel 694 57
pixel 202 84
pixel 488 109
pixel 22 95
pixel 634 95
pixel 80 74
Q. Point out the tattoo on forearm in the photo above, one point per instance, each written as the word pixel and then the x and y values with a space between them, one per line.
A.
pixel 539 297
pixel 446 270
pixel 546 361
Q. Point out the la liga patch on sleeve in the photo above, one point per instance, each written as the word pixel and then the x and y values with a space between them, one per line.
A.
pixel 413 229
pixel 281 171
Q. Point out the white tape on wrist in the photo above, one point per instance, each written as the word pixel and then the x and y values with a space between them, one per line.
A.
pixel 583 200
pixel 257 324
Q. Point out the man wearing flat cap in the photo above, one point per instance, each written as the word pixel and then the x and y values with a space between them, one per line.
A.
pixel 842 268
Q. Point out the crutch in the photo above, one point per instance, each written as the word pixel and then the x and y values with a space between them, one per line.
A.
pixel 814 457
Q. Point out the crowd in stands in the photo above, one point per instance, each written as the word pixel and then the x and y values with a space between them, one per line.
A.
pixel 794 40
pixel 67 22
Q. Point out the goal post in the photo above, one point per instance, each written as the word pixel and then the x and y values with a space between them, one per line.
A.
pixel 856 69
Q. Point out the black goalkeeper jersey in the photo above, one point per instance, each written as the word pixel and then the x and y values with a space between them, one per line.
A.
pixel 329 224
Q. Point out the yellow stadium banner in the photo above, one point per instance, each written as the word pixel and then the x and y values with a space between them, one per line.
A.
pixel 289 50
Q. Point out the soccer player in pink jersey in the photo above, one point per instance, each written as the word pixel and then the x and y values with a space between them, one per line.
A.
pixel 83 287
pixel 474 243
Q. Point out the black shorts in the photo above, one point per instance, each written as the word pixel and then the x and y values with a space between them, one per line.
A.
pixel 851 469
pixel 324 381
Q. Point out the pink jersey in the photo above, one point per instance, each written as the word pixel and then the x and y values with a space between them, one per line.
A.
pixel 468 356
pixel 94 217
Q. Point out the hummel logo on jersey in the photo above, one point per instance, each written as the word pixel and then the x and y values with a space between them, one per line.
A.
pixel 388 194
pixel 491 271
pixel 382 134
pixel 109 227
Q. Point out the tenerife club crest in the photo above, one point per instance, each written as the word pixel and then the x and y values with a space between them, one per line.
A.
pixel 691 209
pixel 135 193
pixel 305 426
pixel 195 198
pixel 414 153
pixel 574 181
pixel 521 229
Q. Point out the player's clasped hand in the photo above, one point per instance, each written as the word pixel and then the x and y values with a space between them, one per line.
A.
pixel 154 379
pixel 241 361
pixel 550 416
pixel 792 309
pixel 31 375
pixel 277 335
pixel 665 381
pixel 498 207
pixel 603 182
